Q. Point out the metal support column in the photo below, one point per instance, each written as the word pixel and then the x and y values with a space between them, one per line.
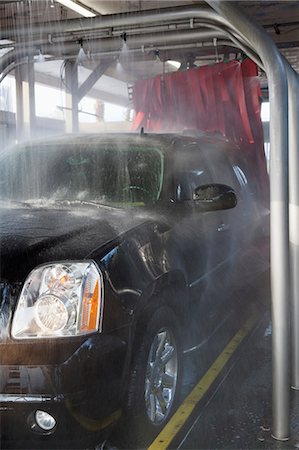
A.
pixel 71 97
pixel 293 84
pixel 25 113
pixel 259 40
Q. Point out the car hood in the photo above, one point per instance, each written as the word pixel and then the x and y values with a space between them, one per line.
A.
pixel 32 236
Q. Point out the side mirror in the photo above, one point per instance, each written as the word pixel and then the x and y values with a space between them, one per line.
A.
pixel 213 197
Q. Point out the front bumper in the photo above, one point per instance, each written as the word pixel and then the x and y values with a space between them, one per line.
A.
pixel 73 429
pixel 82 391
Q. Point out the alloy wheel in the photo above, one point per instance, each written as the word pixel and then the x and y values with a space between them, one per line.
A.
pixel 161 376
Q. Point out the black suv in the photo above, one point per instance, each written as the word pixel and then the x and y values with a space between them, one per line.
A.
pixel 107 242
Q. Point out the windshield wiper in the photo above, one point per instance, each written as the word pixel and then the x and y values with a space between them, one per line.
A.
pixel 81 202
pixel 96 204
pixel 17 203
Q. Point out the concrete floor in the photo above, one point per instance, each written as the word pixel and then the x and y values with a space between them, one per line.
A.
pixel 238 404
pixel 236 412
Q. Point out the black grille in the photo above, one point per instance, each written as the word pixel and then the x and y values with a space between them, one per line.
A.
pixel 4 292
pixel 8 297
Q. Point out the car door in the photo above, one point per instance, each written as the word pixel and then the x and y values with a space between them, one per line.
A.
pixel 200 235
pixel 229 222
pixel 234 224
pixel 201 241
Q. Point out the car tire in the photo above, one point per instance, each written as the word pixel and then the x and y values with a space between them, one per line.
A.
pixel 155 379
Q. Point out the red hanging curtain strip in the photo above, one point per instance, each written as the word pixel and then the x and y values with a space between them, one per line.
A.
pixel 199 98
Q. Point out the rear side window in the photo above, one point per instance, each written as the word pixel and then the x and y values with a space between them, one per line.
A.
pixel 220 167
pixel 208 163
pixel 191 169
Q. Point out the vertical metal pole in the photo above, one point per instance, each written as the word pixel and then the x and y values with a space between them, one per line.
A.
pixel 278 96
pixel 31 96
pixel 279 258
pixel 71 95
pixel 19 101
pixel 293 84
pixel 25 116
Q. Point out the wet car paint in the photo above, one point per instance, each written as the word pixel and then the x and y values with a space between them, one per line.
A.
pixel 142 255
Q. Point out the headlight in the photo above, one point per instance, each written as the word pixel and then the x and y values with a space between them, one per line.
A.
pixel 59 300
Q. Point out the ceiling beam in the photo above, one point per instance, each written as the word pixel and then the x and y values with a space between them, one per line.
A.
pixel 93 78
pixel 50 80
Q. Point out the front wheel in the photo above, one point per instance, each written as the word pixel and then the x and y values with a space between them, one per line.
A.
pixel 161 376
pixel 155 377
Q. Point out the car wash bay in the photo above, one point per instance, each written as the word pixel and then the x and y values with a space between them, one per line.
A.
pixel 242 371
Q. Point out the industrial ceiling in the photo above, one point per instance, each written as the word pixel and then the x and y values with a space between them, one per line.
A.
pixel 281 20
pixel 31 28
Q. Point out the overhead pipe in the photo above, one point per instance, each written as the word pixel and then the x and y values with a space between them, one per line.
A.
pixel 139 32
pixel 202 45
pixel 100 47
pixel 208 16
pixel 107 45
pixel 112 21
pixel 66 48
pixel 110 33
pixel 16 55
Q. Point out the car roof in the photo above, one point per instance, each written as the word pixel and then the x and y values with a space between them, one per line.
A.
pixel 166 141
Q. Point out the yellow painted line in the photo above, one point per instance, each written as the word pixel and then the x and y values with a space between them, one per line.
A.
pixel 170 430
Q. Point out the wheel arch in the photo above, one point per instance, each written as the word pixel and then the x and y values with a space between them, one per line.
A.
pixel 134 411
pixel 169 289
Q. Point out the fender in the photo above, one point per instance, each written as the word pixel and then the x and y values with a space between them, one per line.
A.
pixel 168 289
pixel 162 288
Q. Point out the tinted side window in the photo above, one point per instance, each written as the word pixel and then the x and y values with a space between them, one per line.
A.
pixel 191 170
pixel 227 169
pixel 220 167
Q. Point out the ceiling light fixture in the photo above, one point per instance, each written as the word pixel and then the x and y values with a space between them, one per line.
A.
pixel 175 64
pixel 77 7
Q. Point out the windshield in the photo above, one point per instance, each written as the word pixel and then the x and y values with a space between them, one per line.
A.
pixel 106 173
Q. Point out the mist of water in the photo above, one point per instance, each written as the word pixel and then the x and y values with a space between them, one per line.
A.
pixel 217 253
